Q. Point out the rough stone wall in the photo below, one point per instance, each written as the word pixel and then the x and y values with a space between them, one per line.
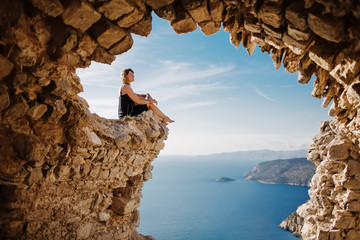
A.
pixel 65 171
pixel 334 209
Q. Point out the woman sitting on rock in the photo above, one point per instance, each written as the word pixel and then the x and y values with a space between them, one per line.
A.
pixel 132 104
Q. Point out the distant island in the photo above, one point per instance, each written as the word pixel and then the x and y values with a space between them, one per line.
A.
pixel 295 171
pixel 224 179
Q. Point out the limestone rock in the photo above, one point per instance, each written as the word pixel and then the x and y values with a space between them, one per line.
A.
pixel 107 33
pixel 198 10
pixel 123 46
pixel 52 8
pixel 80 15
pixel 53 147
pixel 130 19
pixel 295 14
pixel 155 4
pixel 5 67
pixel 143 27
pixel 271 13
pixel 166 12
pixel 116 8
pixel 183 23
pixel 327 27
pixel 37 111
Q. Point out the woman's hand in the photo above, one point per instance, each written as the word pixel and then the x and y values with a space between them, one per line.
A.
pixel 151 99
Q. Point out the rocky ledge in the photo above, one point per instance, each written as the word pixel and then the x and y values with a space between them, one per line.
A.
pixel 89 189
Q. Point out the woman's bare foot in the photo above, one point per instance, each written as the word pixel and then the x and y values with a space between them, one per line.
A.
pixel 167 120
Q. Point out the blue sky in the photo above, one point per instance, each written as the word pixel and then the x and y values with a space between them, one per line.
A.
pixel 221 98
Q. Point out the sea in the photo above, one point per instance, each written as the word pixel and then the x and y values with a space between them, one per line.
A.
pixel 184 202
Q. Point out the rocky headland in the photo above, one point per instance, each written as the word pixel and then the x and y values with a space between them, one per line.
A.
pixel 296 171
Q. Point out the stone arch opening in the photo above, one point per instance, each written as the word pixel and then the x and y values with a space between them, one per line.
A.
pixel 155 68
pixel 56 155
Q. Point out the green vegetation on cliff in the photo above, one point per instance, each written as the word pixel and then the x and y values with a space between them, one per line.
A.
pixel 295 171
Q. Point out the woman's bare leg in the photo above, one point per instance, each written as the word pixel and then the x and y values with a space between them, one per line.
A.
pixel 159 113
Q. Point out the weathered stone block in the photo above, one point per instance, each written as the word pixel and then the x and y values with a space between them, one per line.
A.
pixel 107 33
pixel 4 98
pixel 116 8
pixel 52 8
pixel 290 61
pixel 344 220
pixel 258 40
pixel 35 176
pixel 326 26
pixel 155 4
pixel 122 206
pixel 346 66
pixel 80 15
pixel 252 24
pixel 93 138
pixel 296 14
pixel 84 231
pixel 354 91
pixel 26 56
pixel 5 66
pixel 271 13
pixel 338 152
pixel 183 23
pixel 298 47
pixel 19 107
pixel 198 10
pixel 297 34
pixel 123 46
pixel 86 46
pixel 102 56
pixel 143 27
pixel 166 12
pixel 274 32
pixel 130 19
pixel 274 42
pixel 323 54
pixel 209 27
pixel 103 216
pixel 37 111
pixel 353 206
pixel 216 8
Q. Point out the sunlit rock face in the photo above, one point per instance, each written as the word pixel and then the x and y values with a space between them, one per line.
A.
pixel 67 173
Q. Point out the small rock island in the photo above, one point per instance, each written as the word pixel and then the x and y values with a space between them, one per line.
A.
pixel 224 179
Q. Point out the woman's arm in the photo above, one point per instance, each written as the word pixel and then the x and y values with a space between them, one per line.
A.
pixel 141 95
pixel 137 98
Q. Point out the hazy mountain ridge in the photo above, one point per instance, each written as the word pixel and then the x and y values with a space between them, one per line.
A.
pixel 295 171
pixel 256 155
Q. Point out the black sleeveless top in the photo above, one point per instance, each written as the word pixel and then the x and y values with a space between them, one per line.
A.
pixel 127 107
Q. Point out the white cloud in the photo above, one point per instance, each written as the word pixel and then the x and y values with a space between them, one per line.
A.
pixel 189 105
pixel 170 72
pixel 261 93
